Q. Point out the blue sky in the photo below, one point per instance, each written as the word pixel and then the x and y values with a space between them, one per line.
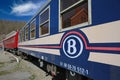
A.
pixel 20 10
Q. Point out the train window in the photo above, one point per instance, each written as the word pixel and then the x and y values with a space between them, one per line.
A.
pixel 32 29
pixel 20 37
pixel 73 13
pixel 26 33
pixel 44 22
pixel 23 36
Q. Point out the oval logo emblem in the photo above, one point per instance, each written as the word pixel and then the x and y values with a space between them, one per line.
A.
pixel 72 46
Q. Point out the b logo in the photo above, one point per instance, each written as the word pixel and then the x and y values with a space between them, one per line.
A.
pixel 72 46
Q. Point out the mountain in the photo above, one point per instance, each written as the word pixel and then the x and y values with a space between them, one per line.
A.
pixel 7 26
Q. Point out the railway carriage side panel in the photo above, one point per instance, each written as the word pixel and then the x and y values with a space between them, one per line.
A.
pixel 11 42
pixel 85 41
pixel 104 11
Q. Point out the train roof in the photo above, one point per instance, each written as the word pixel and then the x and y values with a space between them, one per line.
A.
pixel 44 5
pixel 10 34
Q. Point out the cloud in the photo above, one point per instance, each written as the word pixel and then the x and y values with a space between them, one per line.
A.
pixel 26 9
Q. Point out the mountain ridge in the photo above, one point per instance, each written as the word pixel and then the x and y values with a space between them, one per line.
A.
pixel 7 26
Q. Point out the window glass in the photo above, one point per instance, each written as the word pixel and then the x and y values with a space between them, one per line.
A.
pixel 44 22
pixel 19 37
pixel 44 28
pixel 32 29
pixel 26 33
pixel 23 36
pixel 44 17
pixel 67 3
pixel 75 13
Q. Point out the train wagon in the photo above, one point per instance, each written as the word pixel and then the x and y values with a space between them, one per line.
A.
pixel 11 41
pixel 75 39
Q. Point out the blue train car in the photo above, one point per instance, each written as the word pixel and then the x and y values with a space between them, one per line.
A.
pixel 75 39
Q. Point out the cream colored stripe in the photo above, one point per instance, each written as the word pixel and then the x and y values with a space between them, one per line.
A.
pixel 108 32
pixel 54 39
pixel 106 58
pixel 49 51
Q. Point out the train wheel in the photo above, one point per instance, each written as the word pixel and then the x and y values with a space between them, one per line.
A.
pixel 48 68
pixel 72 76
pixel 75 76
pixel 53 70
pixel 19 53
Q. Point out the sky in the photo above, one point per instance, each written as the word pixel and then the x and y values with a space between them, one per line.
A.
pixel 19 10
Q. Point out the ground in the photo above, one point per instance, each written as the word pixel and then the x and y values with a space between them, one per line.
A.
pixel 11 69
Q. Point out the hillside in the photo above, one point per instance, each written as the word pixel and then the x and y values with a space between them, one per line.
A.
pixel 6 26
